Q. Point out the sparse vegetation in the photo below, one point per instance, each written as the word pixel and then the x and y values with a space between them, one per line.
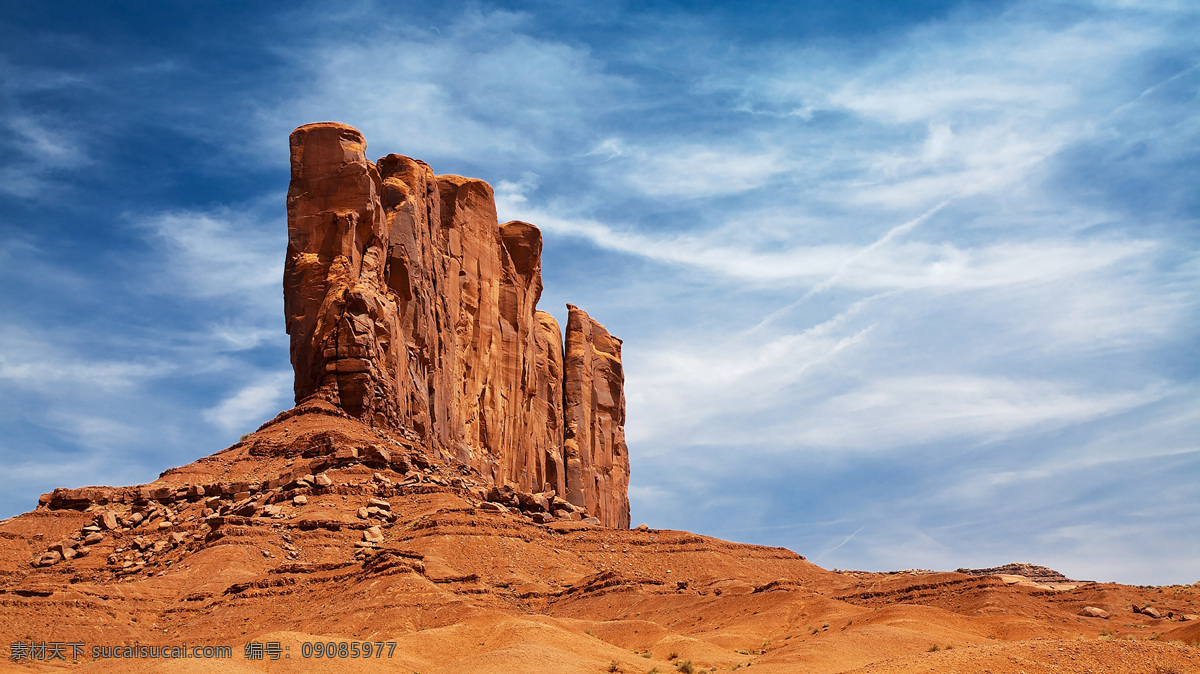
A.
pixel 589 633
pixel 613 666
pixel 933 649
pixel 685 667
pixel 672 655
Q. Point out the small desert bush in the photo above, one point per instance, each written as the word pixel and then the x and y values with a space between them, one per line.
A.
pixel 613 666
pixel 685 667
pixel 933 649
pixel 672 655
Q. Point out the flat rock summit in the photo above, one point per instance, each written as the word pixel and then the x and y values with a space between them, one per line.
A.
pixel 450 494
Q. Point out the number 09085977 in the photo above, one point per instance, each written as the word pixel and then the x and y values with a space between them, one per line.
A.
pixel 347 649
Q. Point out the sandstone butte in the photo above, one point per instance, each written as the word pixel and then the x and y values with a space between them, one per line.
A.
pixel 452 483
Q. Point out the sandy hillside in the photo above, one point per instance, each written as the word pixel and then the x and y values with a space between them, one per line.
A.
pixel 313 543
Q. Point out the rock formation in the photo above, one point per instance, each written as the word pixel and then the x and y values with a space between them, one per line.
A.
pixel 597 461
pixel 410 307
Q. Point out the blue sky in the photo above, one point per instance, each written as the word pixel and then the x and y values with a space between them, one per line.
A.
pixel 901 284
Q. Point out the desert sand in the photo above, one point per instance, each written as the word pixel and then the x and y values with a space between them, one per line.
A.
pixel 461 587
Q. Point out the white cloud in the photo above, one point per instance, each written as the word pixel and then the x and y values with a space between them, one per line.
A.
pixel 889 263
pixel 691 171
pixel 252 404
pixel 219 253
pixel 43 147
pixel 480 87
pixel 892 411
pixel 36 362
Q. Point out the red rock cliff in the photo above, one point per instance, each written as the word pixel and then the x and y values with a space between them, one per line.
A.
pixel 409 306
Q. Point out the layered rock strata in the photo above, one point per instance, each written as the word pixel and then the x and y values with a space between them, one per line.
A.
pixel 409 306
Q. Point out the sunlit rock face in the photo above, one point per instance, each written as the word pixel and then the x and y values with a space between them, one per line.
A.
pixel 410 307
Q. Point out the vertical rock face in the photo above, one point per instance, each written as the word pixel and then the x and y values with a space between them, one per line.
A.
pixel 341 319
pixel 597 460
pixel 411 307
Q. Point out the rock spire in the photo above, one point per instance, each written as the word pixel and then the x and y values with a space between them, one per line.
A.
pixel 410 307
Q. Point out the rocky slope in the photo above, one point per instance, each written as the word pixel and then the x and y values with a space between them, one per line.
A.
pixel 320 527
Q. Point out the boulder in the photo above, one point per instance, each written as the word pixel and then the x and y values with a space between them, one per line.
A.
pixel 1093 612
pixel 532 502
pixel 93 538
pixel 377 457
pixel 373 535
pixel 108 520
pixel 300 499
pixel 322 480
pixel 503 494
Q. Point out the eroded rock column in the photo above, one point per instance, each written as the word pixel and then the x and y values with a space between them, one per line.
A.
pixel 596 458
pixel 340 316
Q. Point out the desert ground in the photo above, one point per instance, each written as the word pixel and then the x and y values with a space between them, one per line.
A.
pixel 318 528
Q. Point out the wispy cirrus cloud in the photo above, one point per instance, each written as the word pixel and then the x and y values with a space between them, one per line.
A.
pixel 252 404
pixel 218 253
pixel 480 86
